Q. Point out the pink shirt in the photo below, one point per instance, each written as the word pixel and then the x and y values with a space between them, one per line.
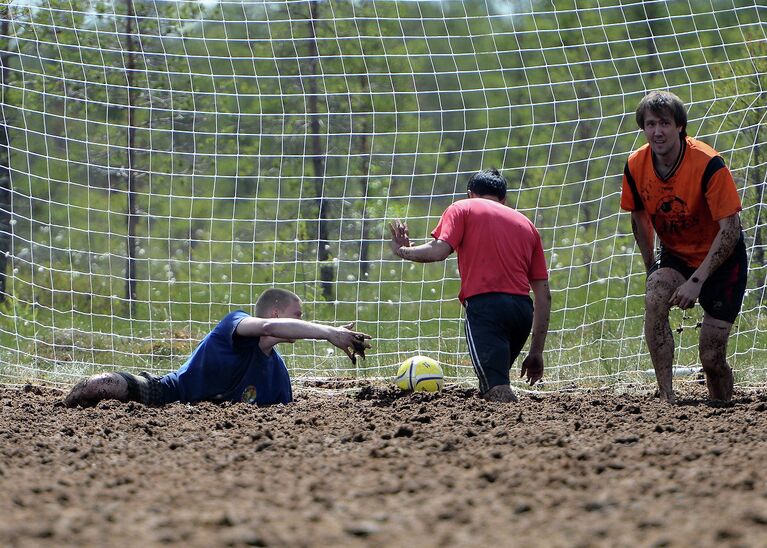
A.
pixel 499 249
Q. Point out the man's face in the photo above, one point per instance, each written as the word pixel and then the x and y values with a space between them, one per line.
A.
pixel 661 132
pixel 292 310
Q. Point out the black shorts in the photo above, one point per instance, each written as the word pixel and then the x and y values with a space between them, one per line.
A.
pixel 144 388
pixel 722 293
pixel 497 327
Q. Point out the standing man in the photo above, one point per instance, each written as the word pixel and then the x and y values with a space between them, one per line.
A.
pixel 236 362
pixel 680 189
pixel 500 257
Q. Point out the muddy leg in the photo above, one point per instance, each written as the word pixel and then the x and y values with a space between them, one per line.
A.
pixel 90 391
pixel 660 341
pixel 712 349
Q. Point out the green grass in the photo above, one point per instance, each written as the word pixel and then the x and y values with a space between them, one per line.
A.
pixel 590 344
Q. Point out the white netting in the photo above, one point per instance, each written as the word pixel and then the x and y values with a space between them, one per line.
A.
pixel 168 160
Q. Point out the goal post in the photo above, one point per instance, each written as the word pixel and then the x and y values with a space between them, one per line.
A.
pixel 164 162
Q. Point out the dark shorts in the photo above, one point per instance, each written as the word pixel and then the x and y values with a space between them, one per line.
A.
pixel 144 388
pixel 497 327
pixel 722 293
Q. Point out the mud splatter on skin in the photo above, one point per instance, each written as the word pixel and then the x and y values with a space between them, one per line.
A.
pixel 364 467
pixel 729 237
pixel 661 284
pixel 713 346
pixel 88 392
pixel 713 358
pixel 644 236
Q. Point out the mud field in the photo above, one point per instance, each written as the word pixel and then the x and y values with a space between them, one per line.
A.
pixel 370 467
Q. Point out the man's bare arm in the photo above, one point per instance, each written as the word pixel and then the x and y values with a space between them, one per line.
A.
pixel 541 315
pixel 721 248
pixel 644 234
pixel 532 366
pixel 290 329
pixel 431 252
pixel 283 328
pixel 436 250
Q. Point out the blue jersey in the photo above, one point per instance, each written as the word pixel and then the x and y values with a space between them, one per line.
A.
pixel 229 367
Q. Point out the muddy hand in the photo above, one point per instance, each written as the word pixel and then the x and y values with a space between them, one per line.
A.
pixel 358 348
pixel 354 343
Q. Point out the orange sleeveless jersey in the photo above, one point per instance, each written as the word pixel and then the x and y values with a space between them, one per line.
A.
pixel 686 206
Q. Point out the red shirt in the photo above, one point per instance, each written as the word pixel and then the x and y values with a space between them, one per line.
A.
pixel 686 206
pixel 499 249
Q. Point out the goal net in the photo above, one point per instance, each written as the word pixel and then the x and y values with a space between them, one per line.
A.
pixel 163 162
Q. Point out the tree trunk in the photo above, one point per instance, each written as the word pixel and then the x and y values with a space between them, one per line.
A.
pixel 5 160
pixel 318 162
pixel 651 16
pixel 758 182
pixel 130 274
pixel 364 181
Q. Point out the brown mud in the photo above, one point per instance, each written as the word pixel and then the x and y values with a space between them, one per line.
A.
pixel 374 467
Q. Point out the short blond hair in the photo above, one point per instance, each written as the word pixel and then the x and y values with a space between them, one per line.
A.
pixel 274 298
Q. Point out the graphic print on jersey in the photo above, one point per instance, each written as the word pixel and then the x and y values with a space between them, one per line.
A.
pixel 672 216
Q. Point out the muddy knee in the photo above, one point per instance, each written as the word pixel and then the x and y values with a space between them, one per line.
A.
pixel 656 305
pixel 661 284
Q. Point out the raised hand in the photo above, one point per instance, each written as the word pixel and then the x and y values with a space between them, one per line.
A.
pixel 399 236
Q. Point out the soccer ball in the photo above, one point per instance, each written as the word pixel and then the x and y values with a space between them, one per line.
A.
pixel 420 374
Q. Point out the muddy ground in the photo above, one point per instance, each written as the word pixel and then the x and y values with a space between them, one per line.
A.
pixel 371 467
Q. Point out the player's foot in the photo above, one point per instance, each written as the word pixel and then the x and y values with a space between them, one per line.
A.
pixel 90 391
pixel 720 386
pixel 75 396
pixel 500 393
pixel 667 396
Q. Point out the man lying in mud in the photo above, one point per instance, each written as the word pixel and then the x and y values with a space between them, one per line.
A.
pixel 236 362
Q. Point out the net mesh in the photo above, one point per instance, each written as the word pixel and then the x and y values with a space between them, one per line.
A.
pixel 164 162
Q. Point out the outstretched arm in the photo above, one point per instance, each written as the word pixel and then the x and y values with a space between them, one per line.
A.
pixel 532 366
pixel 721 248
pixel 291 329
pixel 436 250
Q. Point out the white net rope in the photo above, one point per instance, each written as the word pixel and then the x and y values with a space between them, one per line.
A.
pixel 164 162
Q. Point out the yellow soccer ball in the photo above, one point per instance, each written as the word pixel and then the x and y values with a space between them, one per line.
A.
pixel 420 374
